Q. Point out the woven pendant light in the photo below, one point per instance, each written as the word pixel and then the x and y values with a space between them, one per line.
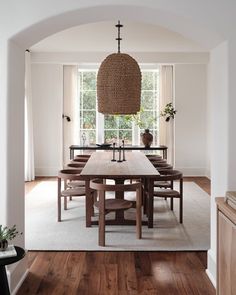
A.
pixel 119 83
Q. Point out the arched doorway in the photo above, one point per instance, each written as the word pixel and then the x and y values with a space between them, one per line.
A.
pixel 14 89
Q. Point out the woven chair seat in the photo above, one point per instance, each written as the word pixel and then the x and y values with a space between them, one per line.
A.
pixel 76 183
pixel 79 191
pixel 165 193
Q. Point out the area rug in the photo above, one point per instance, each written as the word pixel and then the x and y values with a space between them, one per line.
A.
pixel 43 232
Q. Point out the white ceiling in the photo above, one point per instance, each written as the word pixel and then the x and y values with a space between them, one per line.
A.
pixel 100 37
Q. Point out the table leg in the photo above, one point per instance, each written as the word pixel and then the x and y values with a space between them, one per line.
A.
pixel 119 195
pixel 150 202
pixel 88 204
pixel 144 197
pixel 4 287
pixel 71 154
pixel 165 154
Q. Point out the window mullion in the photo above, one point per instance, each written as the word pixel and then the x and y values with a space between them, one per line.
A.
pixel 100 128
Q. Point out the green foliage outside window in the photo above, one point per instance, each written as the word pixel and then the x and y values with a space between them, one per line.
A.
pixel 117 127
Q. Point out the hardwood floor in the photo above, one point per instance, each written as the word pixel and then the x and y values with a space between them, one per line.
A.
pixel 121 273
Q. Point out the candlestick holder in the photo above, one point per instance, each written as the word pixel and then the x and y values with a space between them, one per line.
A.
pixel 119 155
pixel 114 152
pixel 123 143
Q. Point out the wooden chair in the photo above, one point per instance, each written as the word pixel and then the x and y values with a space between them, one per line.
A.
pixel 77 191
pixel 78 162
pixel 171 176
pixel 76 165
pixel 161 166
pixel 154 156
pixel 86 156
pixel 80 159
pixel 107 205
pixel 160 161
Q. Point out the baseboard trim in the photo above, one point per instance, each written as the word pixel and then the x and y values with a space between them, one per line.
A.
pixel 212 279
pixel 47 171
pixel 208 174
pixel 211 267
pixel 14 292
pixel 191 171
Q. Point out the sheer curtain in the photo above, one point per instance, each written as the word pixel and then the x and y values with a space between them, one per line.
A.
pixel 29 138
pixel 70 86
pixel 166 96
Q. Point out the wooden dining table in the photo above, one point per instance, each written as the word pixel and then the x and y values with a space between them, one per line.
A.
pixel 136 166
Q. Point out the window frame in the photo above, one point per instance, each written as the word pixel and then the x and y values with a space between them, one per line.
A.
pixel 100 131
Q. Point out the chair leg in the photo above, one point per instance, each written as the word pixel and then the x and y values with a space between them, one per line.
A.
pixel 181 201
pixel 65 203
pixel 101 238
pixel 181 210
pixel 94 197
pixel 58 199
pixel 171 204
pixel 138 214
pixel 150 203
pixel 65 187
pixel 88 204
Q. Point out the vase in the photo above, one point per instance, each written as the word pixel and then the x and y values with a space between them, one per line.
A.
pixel 147 138
pixel 3 245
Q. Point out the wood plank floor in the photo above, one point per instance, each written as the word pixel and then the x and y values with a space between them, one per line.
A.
pixel 121 273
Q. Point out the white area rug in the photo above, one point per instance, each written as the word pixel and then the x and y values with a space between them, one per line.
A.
pixel 43 232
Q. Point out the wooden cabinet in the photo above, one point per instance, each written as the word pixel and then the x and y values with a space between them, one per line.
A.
pixel 226 248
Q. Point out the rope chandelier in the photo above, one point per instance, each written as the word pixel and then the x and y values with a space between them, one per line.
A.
pixel 119 83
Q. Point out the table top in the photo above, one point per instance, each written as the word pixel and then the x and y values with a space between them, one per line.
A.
pixel 20 254
pixel 136 165
pixel 128 147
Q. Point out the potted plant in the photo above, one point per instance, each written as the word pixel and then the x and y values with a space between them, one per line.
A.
pixel 168 112
pixel 7 234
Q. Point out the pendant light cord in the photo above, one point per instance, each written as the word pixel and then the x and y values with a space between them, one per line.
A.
pixel 119 38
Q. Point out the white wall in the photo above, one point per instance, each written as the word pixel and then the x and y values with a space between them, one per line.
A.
pixel 190 121
pixel 218 90
pixel 190 130
pixel 47 89
pixel 208 125
pixel 32 21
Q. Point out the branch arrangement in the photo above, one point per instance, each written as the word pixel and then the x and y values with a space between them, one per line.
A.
pixel 168 112
pixel 8 233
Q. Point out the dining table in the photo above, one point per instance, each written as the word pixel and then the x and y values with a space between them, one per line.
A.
pixel 101 165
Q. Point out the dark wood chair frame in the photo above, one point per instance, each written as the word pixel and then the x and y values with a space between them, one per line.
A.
pixel 170 176
pixel 102 188
pixel 67 175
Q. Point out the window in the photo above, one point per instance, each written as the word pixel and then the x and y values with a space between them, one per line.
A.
pixel 87 106
pixel 150 102
pixel 117 128
pixel 95 127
